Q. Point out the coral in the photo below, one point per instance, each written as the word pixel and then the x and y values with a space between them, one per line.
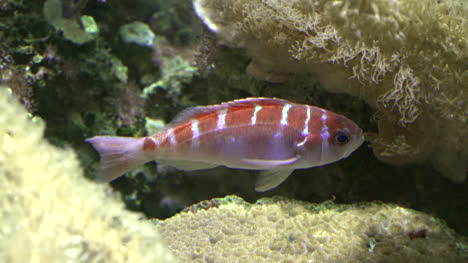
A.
pixel 284 230
pixel 175 20
pixel 175 72
pixel 119 70
pixel 153 126
pixel 20 87
pixel 129 105
pixel 51 213
pixel 84 94
pixel 406 59
pixel 137 33
pixel 78 31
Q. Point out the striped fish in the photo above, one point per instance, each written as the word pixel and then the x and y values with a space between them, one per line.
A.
pixel 268 134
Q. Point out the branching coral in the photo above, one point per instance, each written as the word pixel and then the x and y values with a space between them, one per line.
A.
pixel 407 59
pixel 283 230
pixel 48 210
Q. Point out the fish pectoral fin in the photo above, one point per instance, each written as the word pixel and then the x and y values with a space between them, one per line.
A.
pixel 270 164
pixel 188 165
pixel 270 179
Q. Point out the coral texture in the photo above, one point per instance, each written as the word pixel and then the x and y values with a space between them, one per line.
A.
pixel 283 230
pixel 407 59
pixel 48 210
pixel 77 30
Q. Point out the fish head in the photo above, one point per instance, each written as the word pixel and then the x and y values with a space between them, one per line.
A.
pixel 340 137
pixel 336 139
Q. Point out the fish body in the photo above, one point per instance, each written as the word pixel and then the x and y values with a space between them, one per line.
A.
pixel 268 134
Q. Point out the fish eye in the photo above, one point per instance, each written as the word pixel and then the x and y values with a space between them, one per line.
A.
pixel 341 138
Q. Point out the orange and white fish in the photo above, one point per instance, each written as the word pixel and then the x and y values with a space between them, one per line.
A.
pixel 268 134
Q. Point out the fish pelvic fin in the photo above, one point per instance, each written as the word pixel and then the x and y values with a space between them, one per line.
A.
pixel 119 155
pixel 270 179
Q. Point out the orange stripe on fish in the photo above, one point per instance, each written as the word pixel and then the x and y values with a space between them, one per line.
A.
pixel 297 117
pixel 149 144
pixel 270 113
pixel 269 134
pixel 315 121
pixel 238 116
pixel 208 123
pixel 183 136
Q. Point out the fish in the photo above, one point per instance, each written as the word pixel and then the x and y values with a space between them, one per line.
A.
pixel 272 135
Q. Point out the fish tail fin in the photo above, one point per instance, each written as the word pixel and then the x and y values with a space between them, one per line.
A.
pixel 118 155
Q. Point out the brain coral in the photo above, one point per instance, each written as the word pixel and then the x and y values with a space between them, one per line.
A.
pixel 50 213
pixel 405 58
pixel 281 230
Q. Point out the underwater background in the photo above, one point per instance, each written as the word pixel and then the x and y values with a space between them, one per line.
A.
pixel 399 69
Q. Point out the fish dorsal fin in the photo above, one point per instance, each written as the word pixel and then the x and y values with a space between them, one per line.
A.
pixel 205 111
pixel 270 179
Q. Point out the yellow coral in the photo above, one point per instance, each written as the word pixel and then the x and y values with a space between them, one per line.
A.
pixel 51 213
pixel 283 230
pixel 407 59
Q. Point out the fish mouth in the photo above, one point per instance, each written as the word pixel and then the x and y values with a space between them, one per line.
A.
pixel 355 145
pixel 362 139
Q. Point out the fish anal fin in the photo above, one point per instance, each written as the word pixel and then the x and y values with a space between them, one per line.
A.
pixel 270 179
pixel 269 164
pixel 185 165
